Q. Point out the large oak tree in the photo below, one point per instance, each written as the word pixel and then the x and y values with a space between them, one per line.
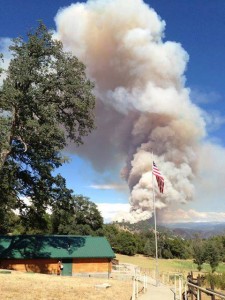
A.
pixel 46 101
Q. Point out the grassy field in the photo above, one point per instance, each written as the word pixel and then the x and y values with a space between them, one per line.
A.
pixel 166 265
pixel 25 286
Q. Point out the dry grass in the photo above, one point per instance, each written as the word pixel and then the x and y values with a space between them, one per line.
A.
pixel 139 260
pixel 164 265
pixel 25 286
pixel 167 265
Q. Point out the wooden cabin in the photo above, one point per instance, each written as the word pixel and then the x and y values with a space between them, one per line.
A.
pixel 42 253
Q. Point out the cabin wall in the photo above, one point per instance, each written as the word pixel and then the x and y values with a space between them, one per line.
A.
pixel 50 266
pixel 91 265
pixel 46 266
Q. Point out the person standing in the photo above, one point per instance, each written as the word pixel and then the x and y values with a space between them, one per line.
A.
pixel 60 268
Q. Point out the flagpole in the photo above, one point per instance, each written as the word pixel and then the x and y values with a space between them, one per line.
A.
pixel 156 241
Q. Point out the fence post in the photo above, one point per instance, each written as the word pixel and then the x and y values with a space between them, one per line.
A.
pixel 199 284
pixel 180 288
pixel 190 287
pixel 185 291
pixel 175 285
pixel 134 286
pixel 212 288
pixel 198 294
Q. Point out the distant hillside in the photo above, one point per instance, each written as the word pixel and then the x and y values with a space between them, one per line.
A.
pixel 185 230
pixel 143 226
pixel 202 229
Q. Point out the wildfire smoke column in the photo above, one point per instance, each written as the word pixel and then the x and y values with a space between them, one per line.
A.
pixel 142 102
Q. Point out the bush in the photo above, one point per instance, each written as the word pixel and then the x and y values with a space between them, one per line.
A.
pixel 126 243
pixel 217 280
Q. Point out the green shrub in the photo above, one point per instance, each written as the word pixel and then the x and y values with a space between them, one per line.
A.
pixel 218 280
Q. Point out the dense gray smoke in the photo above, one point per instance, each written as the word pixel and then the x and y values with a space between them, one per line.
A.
pixel 142 102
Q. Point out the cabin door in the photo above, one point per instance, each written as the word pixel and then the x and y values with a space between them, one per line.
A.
pixel 67 267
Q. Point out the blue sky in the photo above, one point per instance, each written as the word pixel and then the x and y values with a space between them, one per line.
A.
pixel 199 26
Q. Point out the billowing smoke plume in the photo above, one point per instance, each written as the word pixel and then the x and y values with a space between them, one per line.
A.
pixel 143 105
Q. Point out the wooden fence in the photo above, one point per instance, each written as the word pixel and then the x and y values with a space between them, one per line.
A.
pixel 194 289
pixel 132 272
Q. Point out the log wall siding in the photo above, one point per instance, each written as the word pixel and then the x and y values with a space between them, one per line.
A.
pixel 46 266
pixel 49 266
pixel 91 265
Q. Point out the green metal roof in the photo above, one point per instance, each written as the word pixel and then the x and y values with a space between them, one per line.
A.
pixel 54 246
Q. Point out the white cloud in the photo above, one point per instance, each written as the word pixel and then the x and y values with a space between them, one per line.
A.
pixel 108 186
pixel 214 120
pixel 201 97
pixel 110 210
pixel 4 49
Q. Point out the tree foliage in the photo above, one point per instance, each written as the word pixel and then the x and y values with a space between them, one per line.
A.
pixel 77 215
pixel 199 253
pixel 212 254
pixel 149 248
pixel 110 231
pixel 45 101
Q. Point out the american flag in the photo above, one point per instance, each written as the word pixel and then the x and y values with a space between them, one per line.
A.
pixel 159 177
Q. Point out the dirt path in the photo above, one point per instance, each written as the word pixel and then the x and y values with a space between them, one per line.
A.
pixel 160 292
pixel 157 293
